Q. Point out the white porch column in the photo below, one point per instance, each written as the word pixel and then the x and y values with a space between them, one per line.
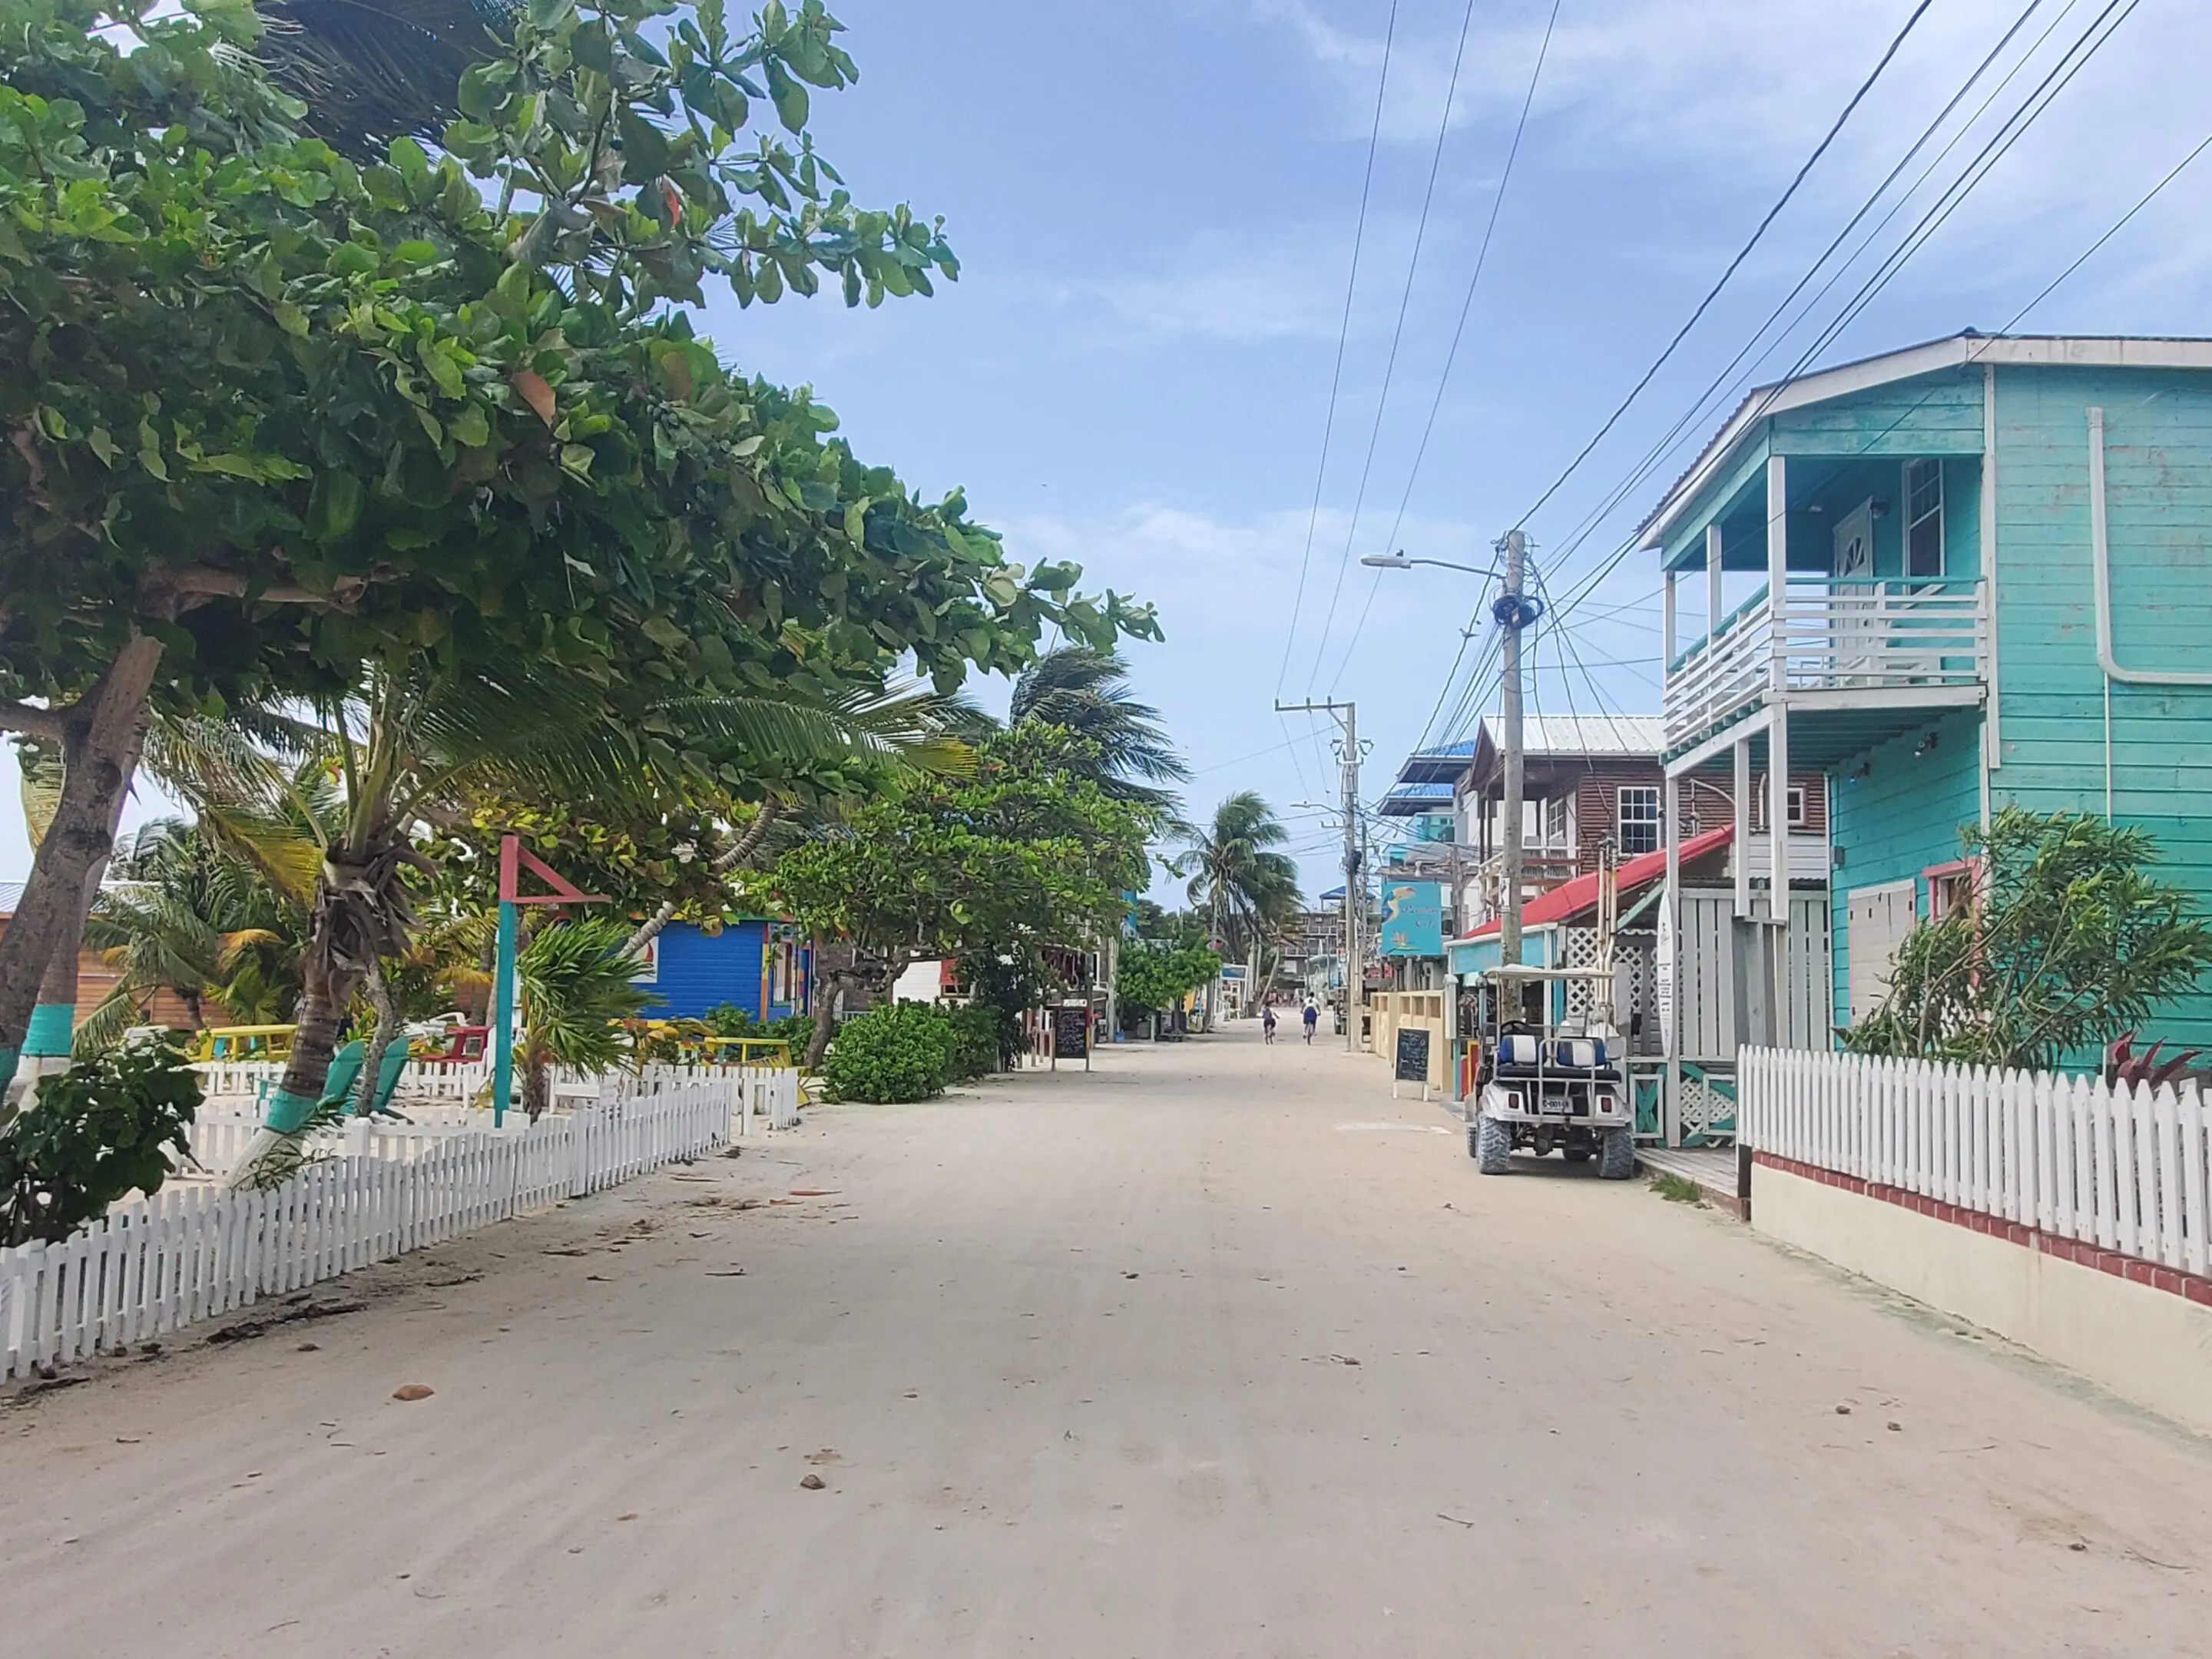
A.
pixel 1667 623
pixel 1740 805
pixel 1777 738
pixel 1713 580
pixel 1667 973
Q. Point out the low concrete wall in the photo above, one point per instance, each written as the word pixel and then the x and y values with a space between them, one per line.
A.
pixel 2147 1344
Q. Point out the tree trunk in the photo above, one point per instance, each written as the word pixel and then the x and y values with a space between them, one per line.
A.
pixel 387 1026
pixel 739 852
pixel 825 1023
pixel 100 747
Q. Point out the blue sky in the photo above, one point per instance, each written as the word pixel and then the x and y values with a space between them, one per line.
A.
pixel 1154 201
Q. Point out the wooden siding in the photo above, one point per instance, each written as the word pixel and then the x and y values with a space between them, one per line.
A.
pixel 1900 818
pixel 2159 514
pixel 1933 415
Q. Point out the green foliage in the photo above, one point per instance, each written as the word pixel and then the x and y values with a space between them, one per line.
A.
pixel 900 1052
pixel 100 1130
pixel 727 1019
pixel 1084 692
pixel 1248 887
pixel 977 1045
pixel 1023 853
pixel 576 992
pixel 1008 983
pixel 2071 942
pixel 1149 978
pixel 176 914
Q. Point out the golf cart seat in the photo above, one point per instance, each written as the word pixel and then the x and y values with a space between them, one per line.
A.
pixel 1520 1054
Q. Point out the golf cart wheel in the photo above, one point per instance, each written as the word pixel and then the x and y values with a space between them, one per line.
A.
pixel 1617 1159
pixel 1493 1146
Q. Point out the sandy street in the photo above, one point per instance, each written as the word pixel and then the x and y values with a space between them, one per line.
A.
pixel 1219 1351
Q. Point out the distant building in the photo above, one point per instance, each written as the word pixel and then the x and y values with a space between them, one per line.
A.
pixel 761 966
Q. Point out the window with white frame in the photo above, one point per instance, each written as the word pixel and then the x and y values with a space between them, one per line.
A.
pixel 1639 820
pixel 1559 823
pixel 1800 807
pixel 1924 518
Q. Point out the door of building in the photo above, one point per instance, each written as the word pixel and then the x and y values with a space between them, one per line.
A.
pixel 1876 920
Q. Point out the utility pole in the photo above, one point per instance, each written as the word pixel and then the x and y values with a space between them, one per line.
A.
pixel 1347 715
pixel 1514 612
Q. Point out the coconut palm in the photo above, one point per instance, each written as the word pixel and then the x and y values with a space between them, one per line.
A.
pixel 1235 873
pixel 410 745
pixel 576 990
pixel 1085 692
pixel 373 70
pixel 176 914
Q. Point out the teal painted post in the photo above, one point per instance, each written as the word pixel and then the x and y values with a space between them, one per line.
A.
pixel 503 1015
pixel 51 1030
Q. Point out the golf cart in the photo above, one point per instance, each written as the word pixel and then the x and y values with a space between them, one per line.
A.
pixel 1542 1084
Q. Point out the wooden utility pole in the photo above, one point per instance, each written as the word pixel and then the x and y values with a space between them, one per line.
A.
pixel 1347 715
pixel 1513 612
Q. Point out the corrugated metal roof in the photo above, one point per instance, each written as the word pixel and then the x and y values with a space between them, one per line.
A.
pixel 1409 799
pixel 11 895
pixel 1594 734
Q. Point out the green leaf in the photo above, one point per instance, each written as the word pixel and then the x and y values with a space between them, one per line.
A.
pixel 788 95
pixel 292 319
pixel 470 428
pixel 645 146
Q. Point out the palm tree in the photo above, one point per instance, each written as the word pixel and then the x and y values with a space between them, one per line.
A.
pixel 373 70
pixel 1085 692
pixel 412 744
pixel 1248 889
pixel 176 914
pixel 576 991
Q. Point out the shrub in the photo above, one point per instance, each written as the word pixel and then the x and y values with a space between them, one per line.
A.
pixel 727 1019
pixel 98 1132
pixel 901 1053
pixel 976 1046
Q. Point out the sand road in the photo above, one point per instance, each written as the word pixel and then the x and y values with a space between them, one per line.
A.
pixel 1218 1351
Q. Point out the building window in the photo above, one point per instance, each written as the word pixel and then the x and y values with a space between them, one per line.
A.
pixel 1560 823
pixel 1950 889
pixel 1639 822
pixel 1924 518
pixel 1800 807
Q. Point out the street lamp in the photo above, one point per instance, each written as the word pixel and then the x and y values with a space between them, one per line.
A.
pixel 1400 562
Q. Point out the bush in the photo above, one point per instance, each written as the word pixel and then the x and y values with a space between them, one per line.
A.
pixel 97 1133
pixel 977 1049
pixel 904 1051
pixel 727 1019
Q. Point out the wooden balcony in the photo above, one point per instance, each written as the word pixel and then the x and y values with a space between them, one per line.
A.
pixel 1892 644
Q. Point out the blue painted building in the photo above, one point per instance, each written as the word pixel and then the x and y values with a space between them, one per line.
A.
pixel 1972 572
pixel 761 966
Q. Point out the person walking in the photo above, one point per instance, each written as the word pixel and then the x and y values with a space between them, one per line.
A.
pixel 1267 1023
pixel 1312 1018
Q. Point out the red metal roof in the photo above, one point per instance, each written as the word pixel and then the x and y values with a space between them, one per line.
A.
pixel 1564 900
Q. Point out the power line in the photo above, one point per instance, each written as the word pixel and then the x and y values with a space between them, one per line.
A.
pixel 1343 332
pixel 1743 254
pixel 1466 307
pixel 2008 133
pixel 1397 333
pixel 1667 440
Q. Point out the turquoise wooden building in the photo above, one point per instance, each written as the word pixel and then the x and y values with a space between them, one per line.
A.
pixel 1970 573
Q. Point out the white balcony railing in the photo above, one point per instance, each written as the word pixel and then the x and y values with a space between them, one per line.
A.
pixel 1837 636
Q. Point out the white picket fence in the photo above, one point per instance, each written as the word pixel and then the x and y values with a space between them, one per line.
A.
pixel 197 1250
pixel 2120 1166
pixel 420 1081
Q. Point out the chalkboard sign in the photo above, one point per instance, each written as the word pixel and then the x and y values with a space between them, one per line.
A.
pixel 1412 1053
pixel 1071 1032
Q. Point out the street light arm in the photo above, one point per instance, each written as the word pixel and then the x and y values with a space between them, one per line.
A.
pixel 1400 562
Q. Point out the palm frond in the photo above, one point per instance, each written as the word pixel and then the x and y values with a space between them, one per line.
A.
pixel 373 70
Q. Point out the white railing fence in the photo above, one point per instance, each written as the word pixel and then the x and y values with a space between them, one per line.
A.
pixel 195 1249
pixel 2121 1166
pixel 1835 636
